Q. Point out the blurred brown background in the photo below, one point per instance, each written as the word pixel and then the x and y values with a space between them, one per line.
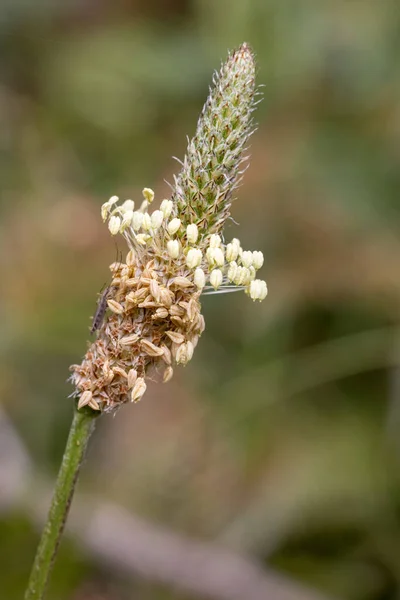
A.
pixel 278 443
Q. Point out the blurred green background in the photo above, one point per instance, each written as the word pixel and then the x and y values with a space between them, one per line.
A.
pixel 279 441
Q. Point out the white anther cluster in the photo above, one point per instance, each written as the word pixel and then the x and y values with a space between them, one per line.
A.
pixel 142 228
pixel 230 267
pixel 212 264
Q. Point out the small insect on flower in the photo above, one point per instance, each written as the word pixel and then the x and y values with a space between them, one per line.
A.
pixel 101 307
pixel 100 311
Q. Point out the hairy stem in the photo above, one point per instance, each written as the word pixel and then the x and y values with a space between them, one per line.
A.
pixel 81 429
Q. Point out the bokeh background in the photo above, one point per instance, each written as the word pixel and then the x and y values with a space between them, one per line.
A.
pixel 278 443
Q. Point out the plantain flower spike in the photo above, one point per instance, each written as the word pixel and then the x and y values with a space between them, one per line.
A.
pixel 151 310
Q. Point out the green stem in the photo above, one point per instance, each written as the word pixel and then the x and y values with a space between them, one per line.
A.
pixel 81 429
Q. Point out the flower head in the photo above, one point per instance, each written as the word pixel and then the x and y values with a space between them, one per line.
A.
pixel 213 166
pixel 176 253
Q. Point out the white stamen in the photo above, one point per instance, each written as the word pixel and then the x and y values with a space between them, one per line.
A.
pixel 137 220
pixel 166 208
pixel 215 257
pixel 105 209
pixel 247 259
pixel 128 205
pixel 258 259
pixel 232 252
pixel 232 270
pixel 192 233
pixel 146 223
pixel 148 194
pixel 173 248
pixel 156 219
pixel 173 226
pixel 222 290
pixel 143 238
pixel 114 224
pixel 194 258
pixel 199 278
pixel 215 241
pixel 126 220
pixel 216 278
pixel 258 290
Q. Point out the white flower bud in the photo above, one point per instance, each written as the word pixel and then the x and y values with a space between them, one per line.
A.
pixel 232 252
pixel 247 258
pixel 137 220
pixel 146 223
pixel 156 219
pixel 194 258
pixel 199 278
pixel 105 209
pixel 192 233
pixel 128 205
pixel 126 220
pixel 258 289
pixel 166 207
pixel 148 195
pixel 232 270
pixel 258 259
pixel 215 241
pixel 215 257
pixel 173 226
pixel 138 390
pixel 114 224
pixel 173 248
pixel 216 278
